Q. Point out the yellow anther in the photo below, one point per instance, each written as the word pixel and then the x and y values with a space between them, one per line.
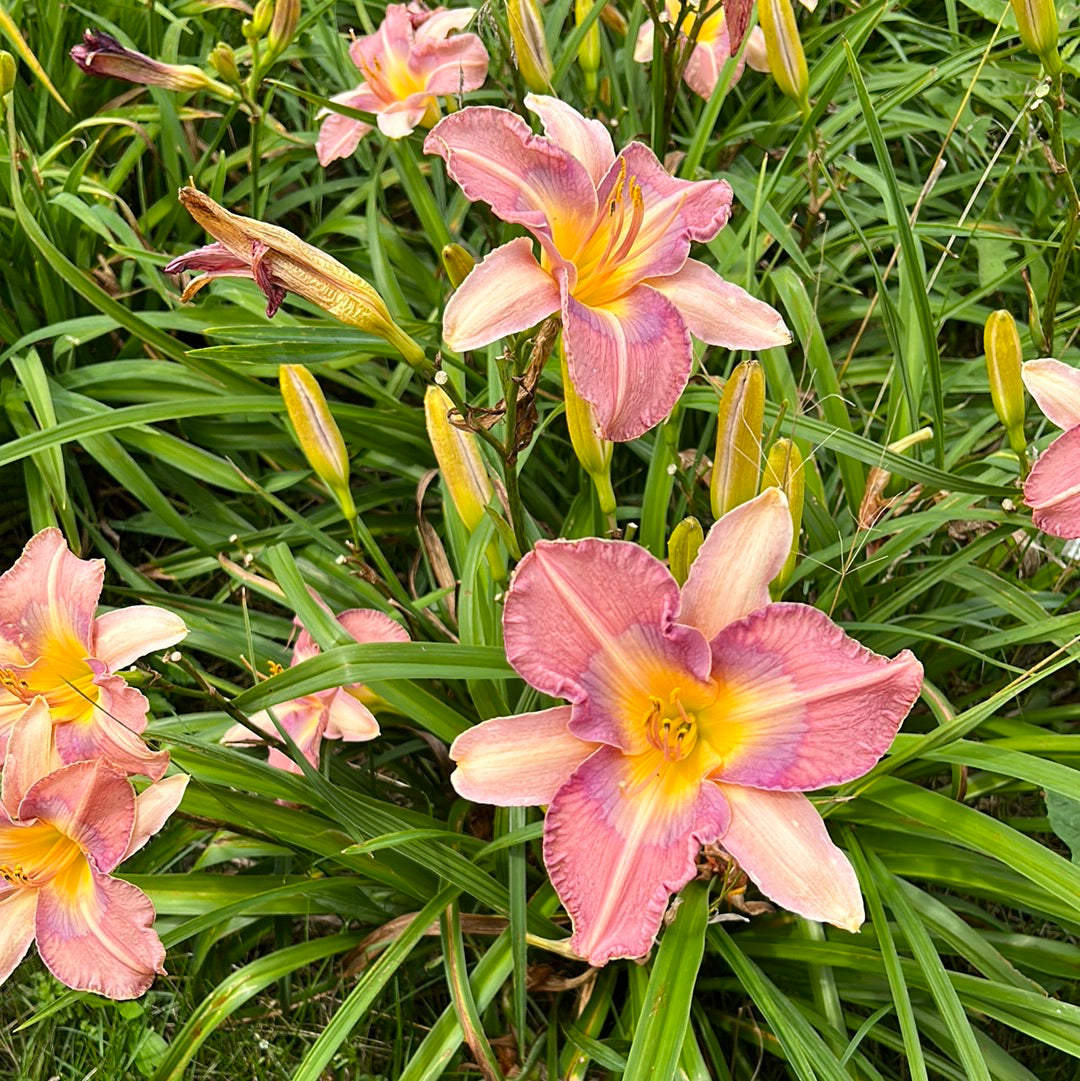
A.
pixel 274 668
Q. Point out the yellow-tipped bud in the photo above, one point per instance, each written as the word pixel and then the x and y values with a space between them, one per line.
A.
pixel 1001 342
pixel 1038 24
pixel 686 539
pixel 457 263
pixel 460 465
pixel 7 73
pixel 592 450
pixel 317 432
pixel 787 61
pixel 737 462
pixel 784 470
pixel 260 19
pixel 588 56
pixel 223 61
pixel 528 45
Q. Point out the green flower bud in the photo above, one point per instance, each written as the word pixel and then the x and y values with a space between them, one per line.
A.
pixel 588 56
pixel 1001 343
pixel 1038 24
pixel 592 450
pixel 457 263
pixel 529 46
pixel 737 462
pixel 787 61
pixel 784 470
pixel 7 73
pixel 460 465
pixel 223 61
pixel 686 539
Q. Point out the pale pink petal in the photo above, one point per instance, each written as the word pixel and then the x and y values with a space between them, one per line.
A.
pixel 525 178
pixel 90 802
pixel 451 67
pixel 620 837
pixel 702 71
pixel 48 597
pixel 123 636
pixel 31 754
pixel 742 554
pixel 1056 390
pixel 96 933
pixel 153 807
pixel 805 705
pixel 305 721
pixel 720 313
pixel 17 909
pixel 1052 488
pixel 643 47
pixel 756 53
pixel 518 761
pixel 630 358
pixel 441 23
pixel 340 135
pixel 119 701
pixel 505 293
pixel 389 46
pixel 349 719
pixel 402 118
pixel 587 140
pixel 780 841
pixel 370 625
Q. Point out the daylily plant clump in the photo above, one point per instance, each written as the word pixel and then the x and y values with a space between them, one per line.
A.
pixel 69 739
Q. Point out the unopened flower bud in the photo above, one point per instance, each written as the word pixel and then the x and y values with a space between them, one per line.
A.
pixel 460 464
pixel 614 20
pixel 102 55
pixel 223 61
pixel 1038 24
pixel 588 56
pixel 458 263
pixel 592 450
pixel 261 18
pixel 784 470
pixel 529 45
pixel 1001 343
pixel 686 539
pixel 7 73
pixel 737 462
pixel 787 61
pixel 317 432
pixel 282 27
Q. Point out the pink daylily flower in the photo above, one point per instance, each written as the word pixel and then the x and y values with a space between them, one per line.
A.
pixel 52 648
pixel 615 235
pixel 694 718
pixel 337 713
pixel 1052 488
pixel 405 64
pixel 62 833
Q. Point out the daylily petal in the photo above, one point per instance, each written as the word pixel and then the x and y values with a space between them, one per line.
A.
pixel 720 313
pixel 30 755
pixel 440 23
pixel 305 721
pixel 1052 488
pixel 804 704
pixel 620 837
pixel 214 258
pixel 525 178
pixel 90 802
pixel 612 353
pixel 571 601
pixel 702 71
pixel 518 761
pixel 742 554
pixel 505 293
pixel 389 45
pixel 402 118
pixel 349 719
pixel 340 135
pixel 1055 388
pixel 643 47
pixel 124 635
pixel 451 67
pixel 587 140
pixel 17 909
pixel 371 625
pixel 153 806
pixel 95 933
pixel 48 597
pixel 780 841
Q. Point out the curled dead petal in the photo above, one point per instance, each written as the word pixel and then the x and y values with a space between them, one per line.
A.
pixel 612 353
pixel 1055 388
pixel 122 636
pixel 587 140
pixel 719 312
pixel 807 705
pixel 17 910
pixel 1052 488
pixel 96 933
pixel 742 554
pixel 519 761
pixel 154 805
pixel 781 842
pixel 620 837
pixel 505 293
